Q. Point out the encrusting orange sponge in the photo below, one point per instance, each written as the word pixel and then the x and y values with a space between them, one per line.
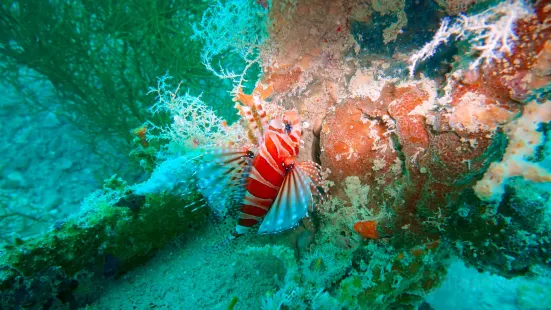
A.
pixel 367 229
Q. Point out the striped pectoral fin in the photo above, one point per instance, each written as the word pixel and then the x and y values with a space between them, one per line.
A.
pixel 226 155
pixel 314 171
pixel 291 203
pixel 222 164
pixel 221 174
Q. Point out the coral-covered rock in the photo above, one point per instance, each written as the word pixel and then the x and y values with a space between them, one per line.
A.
pixel 354 144
pixel 410 126
pixel 283 78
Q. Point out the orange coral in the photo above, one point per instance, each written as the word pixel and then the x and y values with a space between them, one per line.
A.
pixel 410 126
pixel 283 78
pixel 354 145
pixel 483 100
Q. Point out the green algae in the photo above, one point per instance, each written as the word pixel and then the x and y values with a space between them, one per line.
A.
pixel 106 239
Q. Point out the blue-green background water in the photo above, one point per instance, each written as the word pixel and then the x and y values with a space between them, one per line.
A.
pixel 75 79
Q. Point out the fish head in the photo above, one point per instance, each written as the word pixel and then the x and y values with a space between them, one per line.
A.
pixel 291 121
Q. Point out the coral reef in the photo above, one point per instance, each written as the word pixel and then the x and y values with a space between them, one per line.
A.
pixel 416 148
pixel 524 138
pixel 420 168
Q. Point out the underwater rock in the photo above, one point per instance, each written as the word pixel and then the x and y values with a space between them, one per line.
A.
pixel 101 241
pixel 499 239
pixel 354 144
pixel 131 201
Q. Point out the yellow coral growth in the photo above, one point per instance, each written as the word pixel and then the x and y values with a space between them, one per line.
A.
pixel 523 141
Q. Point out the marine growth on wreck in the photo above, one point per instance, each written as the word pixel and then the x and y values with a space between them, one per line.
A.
pixel 292 154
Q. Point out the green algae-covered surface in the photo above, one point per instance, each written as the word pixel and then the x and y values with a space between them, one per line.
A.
pixel 113 234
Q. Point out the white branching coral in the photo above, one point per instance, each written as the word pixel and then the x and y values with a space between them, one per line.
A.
pixel 232 33
pixel 491 33
pixel 441 36
pixel 194 123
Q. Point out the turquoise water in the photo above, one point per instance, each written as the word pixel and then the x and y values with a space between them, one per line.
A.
pixel 275 154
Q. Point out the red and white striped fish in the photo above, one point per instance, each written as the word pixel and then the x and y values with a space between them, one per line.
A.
pixel 264 182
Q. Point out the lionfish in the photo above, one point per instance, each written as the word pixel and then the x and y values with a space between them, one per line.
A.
pixel 263 182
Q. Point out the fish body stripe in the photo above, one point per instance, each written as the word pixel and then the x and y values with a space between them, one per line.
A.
pixel 257 176
pixel 247 216
pixel 248 211
pixel 260 190
pixel 273 148
pixel 267 175
pixel 265 155
pixel 281 151
pixel 246 222
pixel 254 205
pixel 285 145
pixel 252 200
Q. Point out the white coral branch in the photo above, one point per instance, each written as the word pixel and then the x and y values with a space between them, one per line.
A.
pixel 441 36
pixel 491 32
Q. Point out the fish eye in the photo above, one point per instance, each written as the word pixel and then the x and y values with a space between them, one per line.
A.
pixel 288 128
pixel 289 167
